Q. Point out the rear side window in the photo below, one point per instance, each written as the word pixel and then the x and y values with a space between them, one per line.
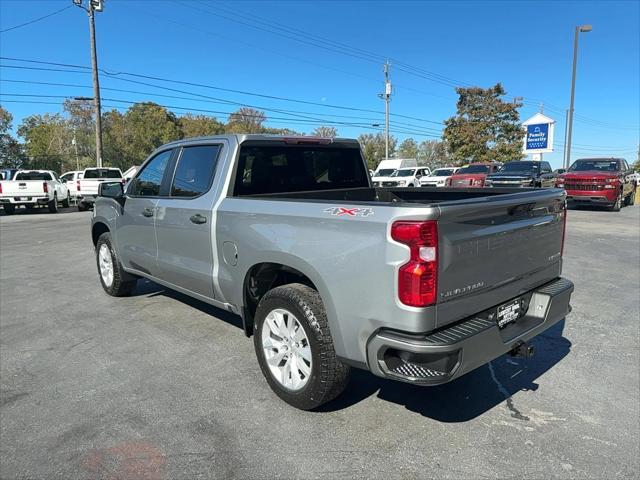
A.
pixel 195 170
pixel 33 176
pixel 102 173
pixel 279 169
pixel 148 181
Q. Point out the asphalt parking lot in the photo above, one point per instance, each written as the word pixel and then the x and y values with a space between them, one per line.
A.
pixel 159 386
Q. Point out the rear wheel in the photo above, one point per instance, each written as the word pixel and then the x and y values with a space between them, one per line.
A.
pixel 53 204
pixel 66 202
pixel 295 349
pixel 81 206
pixel 9 209
pixel 115 281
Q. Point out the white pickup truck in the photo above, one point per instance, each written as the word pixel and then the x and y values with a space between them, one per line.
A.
pixel 87 186
pixel 34 188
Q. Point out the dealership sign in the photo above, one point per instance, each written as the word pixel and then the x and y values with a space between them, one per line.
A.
pixel 538 137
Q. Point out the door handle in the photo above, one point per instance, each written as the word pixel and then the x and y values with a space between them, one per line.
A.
pixel 198 219
pixel 147 212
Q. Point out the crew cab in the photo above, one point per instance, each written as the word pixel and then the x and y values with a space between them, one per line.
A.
pixel 72 179
pixel 406 177
pixel 522 174
pixel 599 181
pixel 472 176
pixel 328 273
pixel 33 188
pixel 87 185
pixel 439 177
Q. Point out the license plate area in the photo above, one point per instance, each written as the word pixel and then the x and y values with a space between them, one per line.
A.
pixel 510 312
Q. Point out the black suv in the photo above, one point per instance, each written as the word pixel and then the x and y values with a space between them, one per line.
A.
pixel 522 174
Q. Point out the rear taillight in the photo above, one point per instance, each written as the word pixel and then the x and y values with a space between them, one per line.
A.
pixel 564 230
pixel 45 187
pixel 78 185
pixel 418 278
pixel 0 188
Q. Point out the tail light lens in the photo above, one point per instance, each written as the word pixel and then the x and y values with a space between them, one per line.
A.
pixel 0 188
pixel 78 185
pixel 418 278
pixel 45 187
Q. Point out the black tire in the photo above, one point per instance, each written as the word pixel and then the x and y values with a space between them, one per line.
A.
pixel 53 204
pixel 9 209
pixel 67 201
pixel 82 207
pixel 618 203
pixel 329 377
pixel 123 283
pixel 630 199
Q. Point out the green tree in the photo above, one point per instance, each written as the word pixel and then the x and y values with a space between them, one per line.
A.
pixel 325 132
pixel 246 120
pixel 408 148
pixel 199 125
pixel 485 127
pixel 81 126
pixel 433 154
pixel 47 141
pixel 11 155
pixel 373 146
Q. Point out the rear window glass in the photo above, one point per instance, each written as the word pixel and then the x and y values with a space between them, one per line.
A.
pixel 276 169
pixel 195 170
pixel 102 173
pixel 595 165
pixel 33 176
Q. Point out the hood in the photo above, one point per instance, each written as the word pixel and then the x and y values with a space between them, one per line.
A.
pixel 511 175
pixel 589 175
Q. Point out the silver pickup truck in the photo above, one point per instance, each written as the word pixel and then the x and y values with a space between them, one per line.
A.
pixel 420 285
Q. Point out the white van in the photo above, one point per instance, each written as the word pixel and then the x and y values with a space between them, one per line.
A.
pixel 387 167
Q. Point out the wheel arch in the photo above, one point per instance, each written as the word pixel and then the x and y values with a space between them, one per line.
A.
pixel 97 229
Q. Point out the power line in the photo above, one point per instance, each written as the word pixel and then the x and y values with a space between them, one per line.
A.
pixel 35 19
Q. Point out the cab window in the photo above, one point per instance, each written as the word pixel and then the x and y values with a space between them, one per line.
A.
pixel 195 170
pixel 148 181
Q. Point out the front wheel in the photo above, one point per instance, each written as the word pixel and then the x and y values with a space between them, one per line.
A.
pixel 618 203
pixel 115 281
pixel 295 349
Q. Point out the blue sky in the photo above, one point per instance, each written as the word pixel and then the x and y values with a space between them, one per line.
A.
pixel 525 45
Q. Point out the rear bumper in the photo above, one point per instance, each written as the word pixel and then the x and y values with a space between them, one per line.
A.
pixel 443 355
pixel 24 200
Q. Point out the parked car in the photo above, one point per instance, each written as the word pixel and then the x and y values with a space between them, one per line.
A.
pixel 33 188
pixel 328 273
pixel 472 176
pixel 72 179
pixel 8 173
pixel 406 177
pixel 439 177
pixel 599 181
pixel 87 186
pixel 522 174
pixel 386 167
pixel 558 171
pixel 635 177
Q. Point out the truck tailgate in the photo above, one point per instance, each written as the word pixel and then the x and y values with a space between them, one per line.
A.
pixel 508 239
pixel 23 188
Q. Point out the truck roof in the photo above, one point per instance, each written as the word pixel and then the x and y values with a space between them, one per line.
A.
pixel 255 137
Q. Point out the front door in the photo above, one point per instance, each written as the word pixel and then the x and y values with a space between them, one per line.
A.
pixel 136 226
pixel 183 221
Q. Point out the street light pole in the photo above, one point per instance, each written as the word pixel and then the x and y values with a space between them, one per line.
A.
pixel 580 28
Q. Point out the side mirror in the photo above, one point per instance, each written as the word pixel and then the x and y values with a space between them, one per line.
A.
pixel 111 190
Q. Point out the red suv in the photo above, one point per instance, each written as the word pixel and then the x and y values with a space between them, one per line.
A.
pixel 599 181
pixel 472 176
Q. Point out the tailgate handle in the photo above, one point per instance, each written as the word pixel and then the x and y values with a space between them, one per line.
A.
pixel 198 219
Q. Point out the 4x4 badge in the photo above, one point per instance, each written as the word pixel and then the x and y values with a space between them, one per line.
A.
pixel 349 212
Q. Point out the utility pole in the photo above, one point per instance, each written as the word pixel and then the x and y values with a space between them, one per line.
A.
pixel 75 147
pixel 387 98
pixel 92 7
pixel 580 28
pixel 566 124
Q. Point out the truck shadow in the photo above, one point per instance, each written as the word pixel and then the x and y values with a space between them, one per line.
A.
pixel 470 395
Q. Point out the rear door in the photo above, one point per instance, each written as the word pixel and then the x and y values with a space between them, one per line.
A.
pixel 136 236
pixel 183 221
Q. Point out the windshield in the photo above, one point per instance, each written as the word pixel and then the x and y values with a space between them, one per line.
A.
pixel 474 169
pixel 33 176
pixel 442 172
pixel 527 167
pixel 102 173
pixel 404 173
pixel 595 165
pixel 385 172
